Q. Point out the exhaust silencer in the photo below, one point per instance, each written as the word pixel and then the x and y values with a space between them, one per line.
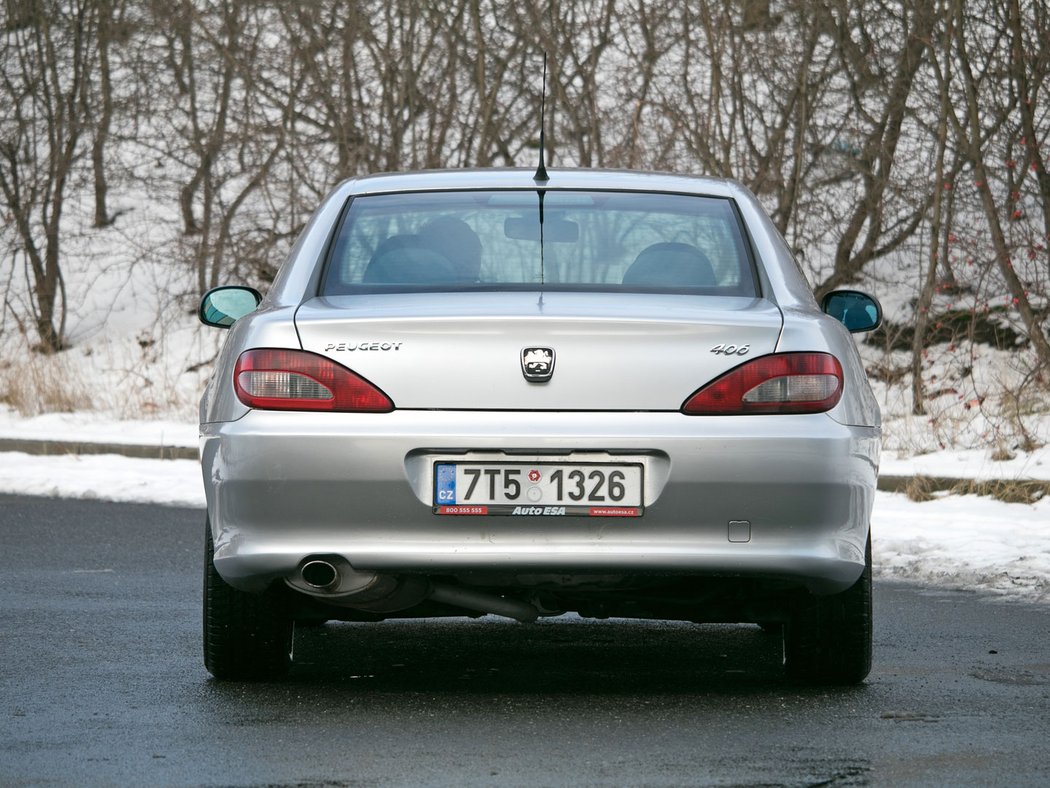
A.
pixel 331 579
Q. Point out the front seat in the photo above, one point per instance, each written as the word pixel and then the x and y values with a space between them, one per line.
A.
pixel 407 260
pixel 670 264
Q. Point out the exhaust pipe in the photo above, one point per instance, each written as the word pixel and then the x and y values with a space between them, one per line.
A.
pixel 333 580
pixel 331 577
pixel 320 575
pixel 484 603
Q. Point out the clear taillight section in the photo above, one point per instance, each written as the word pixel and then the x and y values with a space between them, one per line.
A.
pixel 781 383
pixel 272 379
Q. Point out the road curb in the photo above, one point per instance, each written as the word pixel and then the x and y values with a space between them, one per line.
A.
pixel 60 447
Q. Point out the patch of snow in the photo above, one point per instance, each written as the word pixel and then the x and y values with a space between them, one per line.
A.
pixel 964 542
pixel 969 464
pixel 106 477
pixel 91 427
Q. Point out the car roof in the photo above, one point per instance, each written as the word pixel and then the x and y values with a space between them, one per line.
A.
pixel 522 178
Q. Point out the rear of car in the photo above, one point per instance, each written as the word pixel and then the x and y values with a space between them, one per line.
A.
pixel 607 393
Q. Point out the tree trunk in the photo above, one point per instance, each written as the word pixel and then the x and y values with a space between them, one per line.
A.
pixel 98 146
pixel 1016 288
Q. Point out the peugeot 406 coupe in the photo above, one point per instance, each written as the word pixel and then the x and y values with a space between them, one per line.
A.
pixel 479 392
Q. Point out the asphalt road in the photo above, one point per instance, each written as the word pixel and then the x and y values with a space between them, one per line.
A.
pixel 103 684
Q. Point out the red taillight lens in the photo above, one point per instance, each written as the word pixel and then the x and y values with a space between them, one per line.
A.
pixel 781 383
pixel 297 380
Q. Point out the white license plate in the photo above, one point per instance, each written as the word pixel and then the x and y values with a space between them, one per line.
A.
pixel 538 489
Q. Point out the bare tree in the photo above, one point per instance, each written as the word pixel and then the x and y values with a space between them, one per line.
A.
pixel 872 231
pixel 380 85
pixel 936 247
pixel 983 116
pixel 1029 72
pixel 106 11
pixel 44 62
pixel 491 101
pixel 223 140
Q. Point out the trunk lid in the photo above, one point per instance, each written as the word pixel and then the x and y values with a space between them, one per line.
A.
pixel 611 351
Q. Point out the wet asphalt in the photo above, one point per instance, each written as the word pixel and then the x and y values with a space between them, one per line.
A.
pixel 102 684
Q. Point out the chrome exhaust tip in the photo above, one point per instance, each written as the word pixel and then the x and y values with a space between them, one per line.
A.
pixel 320 575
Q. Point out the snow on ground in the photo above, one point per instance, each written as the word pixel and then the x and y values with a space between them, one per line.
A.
pixel 105 477
pixel 969 464
pixel 959 542
pixel 965 542
pixel 90 427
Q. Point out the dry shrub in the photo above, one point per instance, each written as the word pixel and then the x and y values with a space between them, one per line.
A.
pixel 1019 406
pixel 37 383
pixel 921 489
pixel 924 488
pixel 1013 490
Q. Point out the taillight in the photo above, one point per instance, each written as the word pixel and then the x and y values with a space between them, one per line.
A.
pixel 273 379
pixel 781 383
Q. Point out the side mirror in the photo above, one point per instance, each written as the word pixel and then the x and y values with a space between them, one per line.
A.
pixel 223 306
pixel 855 310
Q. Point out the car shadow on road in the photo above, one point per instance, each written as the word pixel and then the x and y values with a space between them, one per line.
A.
pixel 555 672
pixel 562 656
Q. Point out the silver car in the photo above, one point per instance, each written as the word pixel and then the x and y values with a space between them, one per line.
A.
pixel 479 392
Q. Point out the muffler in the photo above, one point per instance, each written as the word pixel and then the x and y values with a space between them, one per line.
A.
pixel 331 579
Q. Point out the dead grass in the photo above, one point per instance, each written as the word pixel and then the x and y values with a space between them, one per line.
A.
pixel 921 489
pixel 37 383
pixel 1012 490
pixel 925 488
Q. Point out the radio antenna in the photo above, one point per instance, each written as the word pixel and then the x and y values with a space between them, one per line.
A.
pixel 541 170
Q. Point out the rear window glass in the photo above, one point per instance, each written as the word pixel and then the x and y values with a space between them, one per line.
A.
pixel 548 240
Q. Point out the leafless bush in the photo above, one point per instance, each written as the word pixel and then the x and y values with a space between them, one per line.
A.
pixel 35 384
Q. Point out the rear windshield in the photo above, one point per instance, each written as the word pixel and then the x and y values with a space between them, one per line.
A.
pixel 546 240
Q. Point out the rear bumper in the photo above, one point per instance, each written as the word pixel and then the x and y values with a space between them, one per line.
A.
pixel 284 486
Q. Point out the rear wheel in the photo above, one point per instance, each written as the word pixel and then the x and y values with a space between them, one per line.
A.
pixel 827 640
pixel 246 636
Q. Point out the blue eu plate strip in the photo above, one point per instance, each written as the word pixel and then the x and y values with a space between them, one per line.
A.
pixel 445 485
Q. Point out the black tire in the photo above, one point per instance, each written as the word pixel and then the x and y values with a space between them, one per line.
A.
pixel 828 639
pixel 246 637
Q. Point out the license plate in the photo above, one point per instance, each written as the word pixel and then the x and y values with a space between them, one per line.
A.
pixel 538 489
